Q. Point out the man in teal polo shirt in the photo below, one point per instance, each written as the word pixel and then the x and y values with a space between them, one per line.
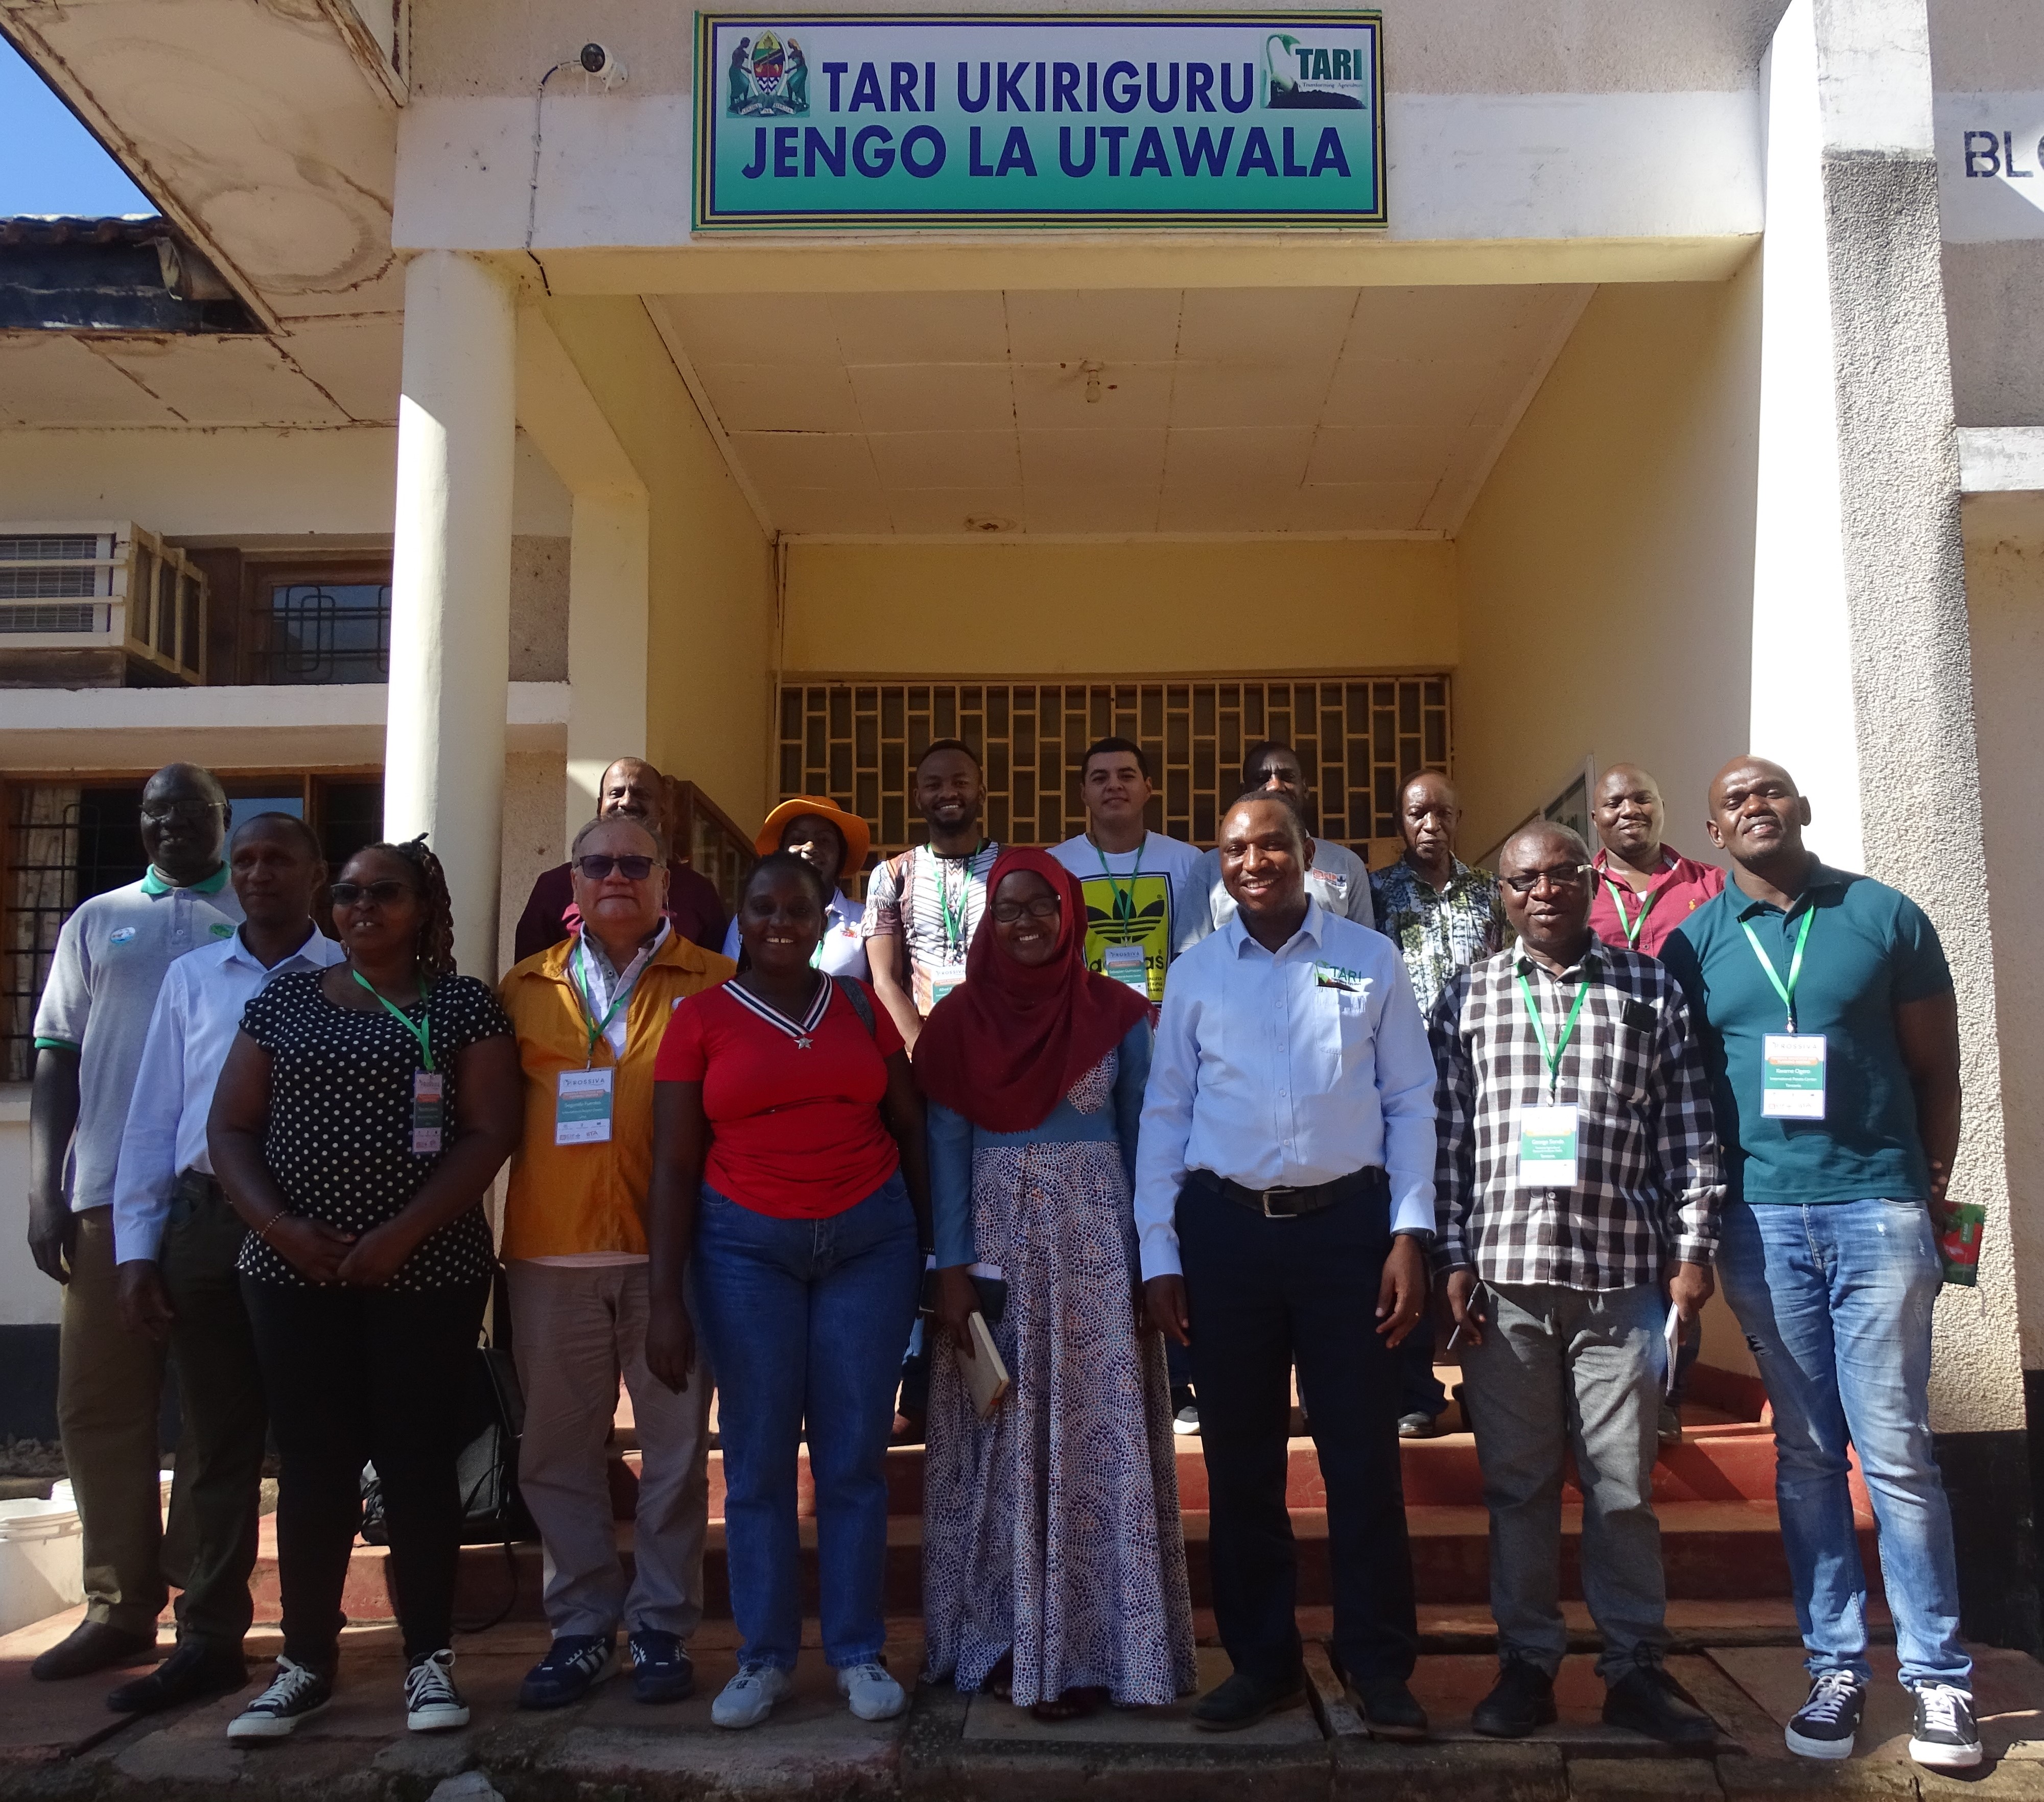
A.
pixel 1832 1033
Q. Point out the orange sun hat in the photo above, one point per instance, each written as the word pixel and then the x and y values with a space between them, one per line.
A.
pixel 857 836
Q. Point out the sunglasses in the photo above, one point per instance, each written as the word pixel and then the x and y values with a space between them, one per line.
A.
pixel 597 865
pixel 384 894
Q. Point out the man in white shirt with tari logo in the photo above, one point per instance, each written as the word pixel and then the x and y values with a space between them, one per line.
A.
pixel 1284 1206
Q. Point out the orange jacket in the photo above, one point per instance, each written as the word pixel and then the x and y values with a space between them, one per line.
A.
pixel 566 1199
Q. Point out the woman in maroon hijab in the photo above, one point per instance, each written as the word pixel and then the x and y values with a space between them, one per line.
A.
pixel 1054 1567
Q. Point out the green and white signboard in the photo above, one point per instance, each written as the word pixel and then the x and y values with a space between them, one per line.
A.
pixel 858 121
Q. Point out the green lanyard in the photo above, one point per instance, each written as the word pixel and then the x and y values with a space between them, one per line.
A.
pixel 398 1013
pixel 1553 1056
pixel 1785 990
pixel 954 922
pixel 1632 928
pixel 625 983
pixel 1124 901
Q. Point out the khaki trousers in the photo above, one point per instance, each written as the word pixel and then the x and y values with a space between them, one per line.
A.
pixel 110 1396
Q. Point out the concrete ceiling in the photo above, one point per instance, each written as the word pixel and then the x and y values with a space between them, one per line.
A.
pixel 1370 410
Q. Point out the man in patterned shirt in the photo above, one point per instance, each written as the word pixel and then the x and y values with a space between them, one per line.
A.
pixel 1578 1171
pixel 1443 915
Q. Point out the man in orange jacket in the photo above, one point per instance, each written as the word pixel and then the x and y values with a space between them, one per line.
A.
pixel 589 1013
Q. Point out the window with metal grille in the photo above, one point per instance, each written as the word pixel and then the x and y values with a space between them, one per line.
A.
pixel 1359 736
pixel 328 630
pixel 67 842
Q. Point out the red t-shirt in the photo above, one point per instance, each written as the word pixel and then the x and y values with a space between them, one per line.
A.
pixel 797 1135
pixel 1681 888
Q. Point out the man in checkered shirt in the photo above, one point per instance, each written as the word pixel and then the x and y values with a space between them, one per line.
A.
pixel 1577 1191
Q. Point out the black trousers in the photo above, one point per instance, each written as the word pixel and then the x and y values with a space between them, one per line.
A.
pixel 1264 1294
pixel 220 1392
pixel 356 1376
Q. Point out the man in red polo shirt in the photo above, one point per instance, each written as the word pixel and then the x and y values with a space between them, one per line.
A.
pixel 1644 890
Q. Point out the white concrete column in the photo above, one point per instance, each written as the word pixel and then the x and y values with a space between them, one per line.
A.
pixel 607 576
pixel 450 614
pixel 1803 716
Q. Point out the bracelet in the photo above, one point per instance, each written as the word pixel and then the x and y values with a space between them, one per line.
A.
pixel 262 1231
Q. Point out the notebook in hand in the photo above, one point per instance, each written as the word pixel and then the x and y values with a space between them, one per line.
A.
pixel 985 1376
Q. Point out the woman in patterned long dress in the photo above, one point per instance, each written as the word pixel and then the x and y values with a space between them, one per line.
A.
pixel 1053 1565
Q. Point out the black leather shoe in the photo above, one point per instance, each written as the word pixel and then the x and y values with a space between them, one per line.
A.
pixel 1648 1700
pixel 192 1672
pixel 1244 1699
pixel 1521 1700
pixel 91 1646
pixel 1390 1710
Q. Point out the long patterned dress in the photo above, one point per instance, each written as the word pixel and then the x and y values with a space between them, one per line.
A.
pixel 1053 1528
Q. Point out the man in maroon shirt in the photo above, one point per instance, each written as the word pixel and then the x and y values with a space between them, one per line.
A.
pixel 1644 890
pixel 632 786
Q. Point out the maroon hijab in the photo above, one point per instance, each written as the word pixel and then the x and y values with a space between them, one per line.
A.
pixel 1003 1048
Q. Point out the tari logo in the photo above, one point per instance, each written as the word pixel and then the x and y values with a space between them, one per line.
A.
pixel 1314 76
pixel 766 79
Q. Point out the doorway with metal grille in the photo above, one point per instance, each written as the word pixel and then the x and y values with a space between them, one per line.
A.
pixel 855 740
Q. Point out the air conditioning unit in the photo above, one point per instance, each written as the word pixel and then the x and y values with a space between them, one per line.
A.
pixel 104 587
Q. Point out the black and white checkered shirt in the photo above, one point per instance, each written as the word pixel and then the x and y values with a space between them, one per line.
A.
pixel 1650 1183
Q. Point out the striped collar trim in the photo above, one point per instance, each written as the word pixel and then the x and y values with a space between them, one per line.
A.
pixel 802 1031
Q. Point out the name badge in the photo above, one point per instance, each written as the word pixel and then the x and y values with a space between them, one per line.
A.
pixel 1547 1143
pixel 582 1106
pixel 1792 1076
pixel 942 980
pixel 428 1112
pixel 1125 963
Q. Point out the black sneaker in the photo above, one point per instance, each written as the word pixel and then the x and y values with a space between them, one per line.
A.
pixel 1243 1700
pixel 195 1671
pixel 1184 1411
pixel 574 1664
pixel 662 1670
pixel 1520 1702
pixel 295 1693
pixel 1944 1737
pixel 432 1704
pixel 1648 1700
pixel 1826 1726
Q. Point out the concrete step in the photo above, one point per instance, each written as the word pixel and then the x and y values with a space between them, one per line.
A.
pixel 1717 1551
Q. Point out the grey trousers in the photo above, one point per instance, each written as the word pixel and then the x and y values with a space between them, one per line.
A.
pixel 577 1330
pixel 1561 1370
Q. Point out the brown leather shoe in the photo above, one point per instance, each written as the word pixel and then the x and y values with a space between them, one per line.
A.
pixel 91 1646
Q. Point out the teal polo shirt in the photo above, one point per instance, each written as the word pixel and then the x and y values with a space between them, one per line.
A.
pixel 1870 948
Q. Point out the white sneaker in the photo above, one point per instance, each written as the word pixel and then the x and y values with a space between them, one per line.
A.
pixel 749 1697
pixel 432 1704
pixel 295 1693
pixel 874 1695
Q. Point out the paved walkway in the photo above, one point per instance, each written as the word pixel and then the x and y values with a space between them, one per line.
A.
pixel 1740 1660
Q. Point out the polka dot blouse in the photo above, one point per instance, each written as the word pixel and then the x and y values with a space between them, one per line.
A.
pixel 339 1137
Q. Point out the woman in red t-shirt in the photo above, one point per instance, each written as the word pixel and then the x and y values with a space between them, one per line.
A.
pixel 789 1171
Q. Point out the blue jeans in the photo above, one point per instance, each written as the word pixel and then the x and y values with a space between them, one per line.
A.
pixel 1836 1302
pixel 804 1321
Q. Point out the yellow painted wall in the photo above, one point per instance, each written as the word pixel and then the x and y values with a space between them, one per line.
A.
pixel 706 663
pixel 2005 603
pixel 1018 608
pixel 1606 569
pixel 1606 576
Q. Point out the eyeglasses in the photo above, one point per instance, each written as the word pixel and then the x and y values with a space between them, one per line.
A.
pixel 384 894
pixel 182 813
pixel 1043 907
pixel 1566 876
pixel 597 865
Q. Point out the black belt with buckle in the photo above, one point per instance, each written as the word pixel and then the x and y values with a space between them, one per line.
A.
pixel 1283 1204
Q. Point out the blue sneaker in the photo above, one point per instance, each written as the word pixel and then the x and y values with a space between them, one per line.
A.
pixel 662 1670
pixel 574 1664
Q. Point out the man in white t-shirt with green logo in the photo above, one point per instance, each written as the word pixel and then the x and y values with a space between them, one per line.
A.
pixel 1134 881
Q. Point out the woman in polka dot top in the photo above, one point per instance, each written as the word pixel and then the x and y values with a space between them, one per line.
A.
pixel 362 1112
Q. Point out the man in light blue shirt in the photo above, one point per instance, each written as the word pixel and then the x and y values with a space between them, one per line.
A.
pixel 175 1239
pixel 1284 1189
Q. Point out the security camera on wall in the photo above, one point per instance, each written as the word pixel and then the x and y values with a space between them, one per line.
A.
pixel 597 62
